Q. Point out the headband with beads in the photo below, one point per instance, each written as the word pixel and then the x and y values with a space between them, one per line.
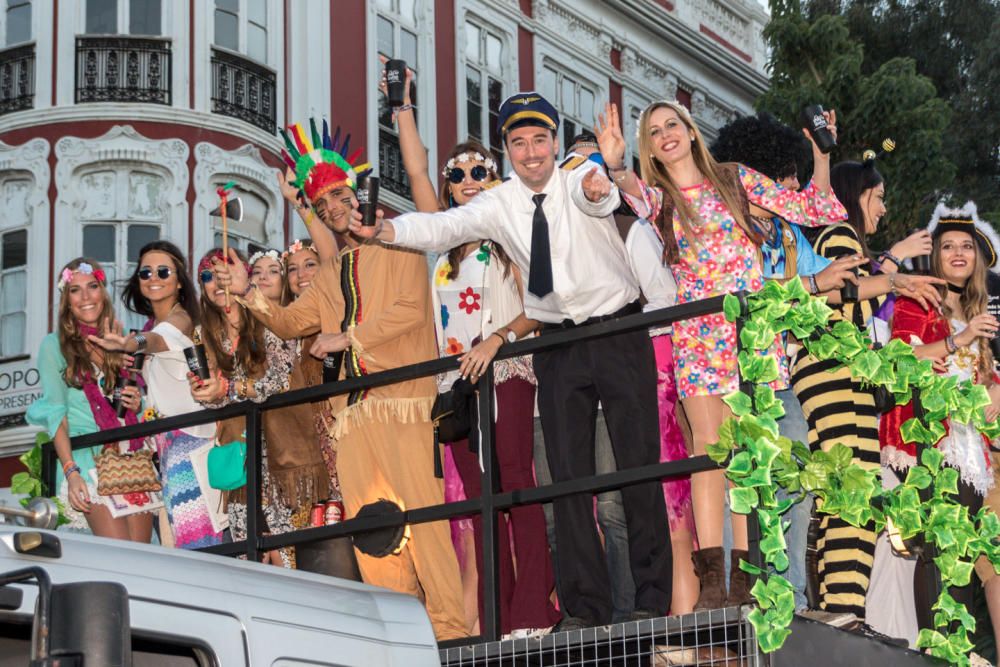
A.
pixel 469 157
pixel 84 268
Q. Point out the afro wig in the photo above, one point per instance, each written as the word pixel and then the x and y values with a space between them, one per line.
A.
pixel 762 143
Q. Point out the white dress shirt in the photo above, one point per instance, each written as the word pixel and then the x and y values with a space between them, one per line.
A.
pixel 590 270
pixel 645 255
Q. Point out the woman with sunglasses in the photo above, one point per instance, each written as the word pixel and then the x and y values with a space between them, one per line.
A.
pixel 78 380
pixel 161 289
pixel 252 363
pixel 477 308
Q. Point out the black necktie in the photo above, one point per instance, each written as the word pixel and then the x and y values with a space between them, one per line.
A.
pixel 540 273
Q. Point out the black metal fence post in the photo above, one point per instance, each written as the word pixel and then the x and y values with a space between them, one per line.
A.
pixel 253 438
pixel 489 575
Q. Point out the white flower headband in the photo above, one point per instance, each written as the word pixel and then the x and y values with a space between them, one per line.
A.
pixel 296 247
pixel 271 253
pixel 468 157
pixel 82 267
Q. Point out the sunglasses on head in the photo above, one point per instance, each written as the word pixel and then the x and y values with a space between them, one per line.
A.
pixel 457 174
pixel 206 276
pixel 162 272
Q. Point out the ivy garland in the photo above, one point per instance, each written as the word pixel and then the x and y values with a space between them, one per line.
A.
pixel 30 483
pixel 758 461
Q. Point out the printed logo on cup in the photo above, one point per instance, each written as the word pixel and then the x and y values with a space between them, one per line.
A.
pixel 819 122
pixel 393 76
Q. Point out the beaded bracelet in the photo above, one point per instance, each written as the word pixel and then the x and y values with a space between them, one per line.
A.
pixel 72 469
pixel 892 258
pixel 69 464
pixel 950 345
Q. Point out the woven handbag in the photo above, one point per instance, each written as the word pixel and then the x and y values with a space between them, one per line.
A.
pixel 119 473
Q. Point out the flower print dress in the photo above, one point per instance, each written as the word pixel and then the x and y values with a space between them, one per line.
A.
pixel 723 259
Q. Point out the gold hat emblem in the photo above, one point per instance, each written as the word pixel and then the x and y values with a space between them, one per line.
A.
pixel 526 100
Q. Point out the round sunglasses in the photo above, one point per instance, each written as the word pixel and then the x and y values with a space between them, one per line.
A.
pixel 206 276
pixel 478 173
pixel 162 272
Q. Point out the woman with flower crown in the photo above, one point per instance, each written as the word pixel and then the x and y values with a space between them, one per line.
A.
pixel 477 307
pixel 78 379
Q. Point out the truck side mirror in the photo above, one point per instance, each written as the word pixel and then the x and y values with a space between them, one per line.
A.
pixel 91 619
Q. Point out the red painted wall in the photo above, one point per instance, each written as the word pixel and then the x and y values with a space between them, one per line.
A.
pixel 348 94
pixel 444 56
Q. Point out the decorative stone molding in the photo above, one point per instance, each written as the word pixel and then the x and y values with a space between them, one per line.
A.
pixel 566 23
pixel 726 23
pixel 32 157
pixel 122 144
pixel 247 169
pixel 650 75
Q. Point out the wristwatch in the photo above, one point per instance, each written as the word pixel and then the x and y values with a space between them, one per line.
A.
pixel 509 336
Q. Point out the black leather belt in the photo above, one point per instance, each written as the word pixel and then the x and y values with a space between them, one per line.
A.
pixel 630 309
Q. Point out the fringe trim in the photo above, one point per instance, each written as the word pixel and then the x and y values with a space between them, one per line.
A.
pixel 256 302
pixel 897 459
pixel 295 488
pixel 383 410
pixel 357 346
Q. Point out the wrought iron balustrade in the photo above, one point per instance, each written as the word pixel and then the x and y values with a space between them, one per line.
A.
pixel 244 89
pixel 390 164
pixel 120 68
pixel 17 78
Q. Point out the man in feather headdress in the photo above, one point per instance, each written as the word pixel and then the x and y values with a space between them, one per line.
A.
pixel 373 304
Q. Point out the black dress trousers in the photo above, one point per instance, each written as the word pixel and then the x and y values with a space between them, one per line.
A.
pixel 620 372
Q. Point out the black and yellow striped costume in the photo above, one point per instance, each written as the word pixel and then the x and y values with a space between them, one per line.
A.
pixel 839 409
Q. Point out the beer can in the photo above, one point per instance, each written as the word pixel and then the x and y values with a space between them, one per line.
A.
pixel 334 512
pixel 317 516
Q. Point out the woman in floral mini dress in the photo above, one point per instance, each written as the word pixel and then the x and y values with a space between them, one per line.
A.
pixel 712 250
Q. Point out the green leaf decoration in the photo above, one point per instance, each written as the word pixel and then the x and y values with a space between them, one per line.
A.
pixel 759 461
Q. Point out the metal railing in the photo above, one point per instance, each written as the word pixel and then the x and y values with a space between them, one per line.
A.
pixel 121 68
pixel 490 502
pixel 243 89
pixel 390 164
pixel 17 78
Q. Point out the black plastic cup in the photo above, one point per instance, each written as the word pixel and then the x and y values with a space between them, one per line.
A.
pixel 116 396
pixel 849 292
pixel 331 366
pixel 196 360
pixel 395 81
pixel 367 194
pixel 922 265
pixel 813 120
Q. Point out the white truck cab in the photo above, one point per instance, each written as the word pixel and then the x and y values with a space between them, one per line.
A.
pixel 186 608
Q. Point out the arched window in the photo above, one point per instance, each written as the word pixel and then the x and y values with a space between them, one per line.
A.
pixel 123 211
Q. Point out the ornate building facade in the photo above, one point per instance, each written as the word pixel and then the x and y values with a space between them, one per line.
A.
pixel 119 118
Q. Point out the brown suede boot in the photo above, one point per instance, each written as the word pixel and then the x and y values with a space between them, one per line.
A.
pixel 740 582
pixel 710 566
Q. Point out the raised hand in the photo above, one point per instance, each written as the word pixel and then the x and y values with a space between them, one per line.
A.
pixel 916 244
pixel 231 274
pixel 288 191
pixel 596 186
pixel 609 136
pixel 831 124
pixel 112 339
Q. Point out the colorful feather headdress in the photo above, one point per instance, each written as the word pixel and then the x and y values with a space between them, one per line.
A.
pixel 321 163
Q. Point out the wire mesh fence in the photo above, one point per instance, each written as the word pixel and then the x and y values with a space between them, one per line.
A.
pixel 716 638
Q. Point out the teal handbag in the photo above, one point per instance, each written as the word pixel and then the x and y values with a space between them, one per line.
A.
pixel 227 466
